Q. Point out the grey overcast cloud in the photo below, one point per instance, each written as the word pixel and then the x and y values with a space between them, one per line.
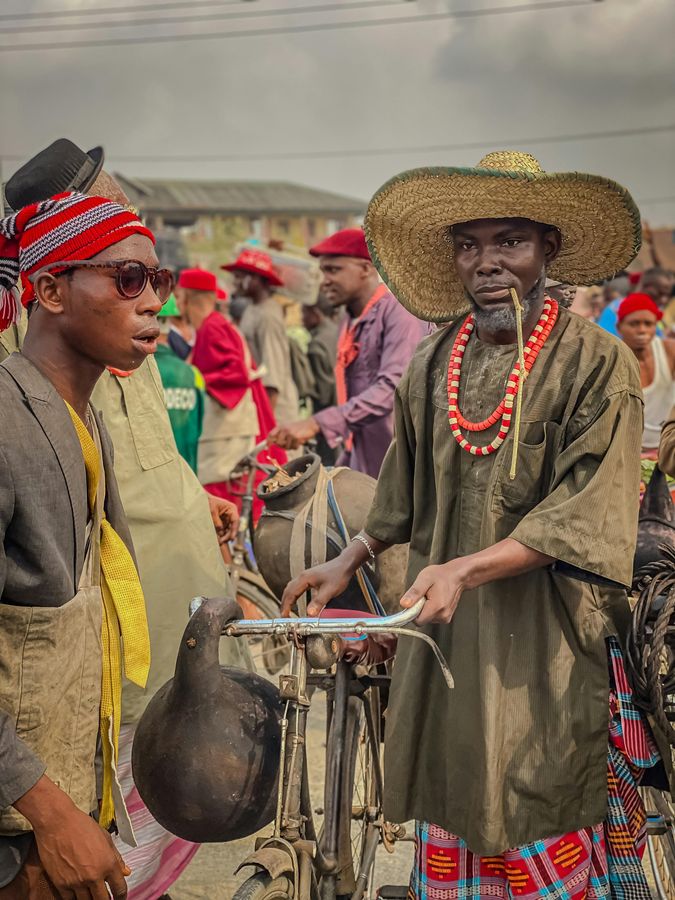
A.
pixel 342 95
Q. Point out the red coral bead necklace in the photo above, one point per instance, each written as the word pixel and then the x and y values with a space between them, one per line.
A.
pixel 503 411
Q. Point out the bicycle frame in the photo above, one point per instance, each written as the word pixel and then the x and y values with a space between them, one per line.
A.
pixel 315 864
pixel 241 558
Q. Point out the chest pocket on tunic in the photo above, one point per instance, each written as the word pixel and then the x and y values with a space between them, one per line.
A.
pixel 536 454
pixel 150 429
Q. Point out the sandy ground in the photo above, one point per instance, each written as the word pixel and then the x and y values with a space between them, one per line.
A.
pixel 211 876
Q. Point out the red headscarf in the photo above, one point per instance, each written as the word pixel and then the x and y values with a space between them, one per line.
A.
pixel 637 303
pixel 66 226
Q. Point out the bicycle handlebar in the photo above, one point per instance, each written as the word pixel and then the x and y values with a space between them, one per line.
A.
pixel 250 461
pixel 306 626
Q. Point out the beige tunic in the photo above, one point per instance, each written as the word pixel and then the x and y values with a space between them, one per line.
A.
pixel 227 434
pixel 518 750
pixel 263 327
pixel 167 508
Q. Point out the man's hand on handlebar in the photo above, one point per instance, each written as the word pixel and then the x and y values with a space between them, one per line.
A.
pixel 330 579
pixel 295 434
pixel 326 581
pixel 442 586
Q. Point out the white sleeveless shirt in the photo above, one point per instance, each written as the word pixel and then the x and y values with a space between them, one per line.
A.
pixel 659 397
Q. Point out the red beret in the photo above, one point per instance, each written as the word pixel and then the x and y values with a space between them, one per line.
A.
pixel 637 303
pixel 198 280
pixel 348 242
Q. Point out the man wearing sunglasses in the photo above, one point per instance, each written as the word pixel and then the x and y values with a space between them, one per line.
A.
pixel 72 613
pixel 172 520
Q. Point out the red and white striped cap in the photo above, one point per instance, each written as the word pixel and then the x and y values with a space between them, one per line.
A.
pixel 67 226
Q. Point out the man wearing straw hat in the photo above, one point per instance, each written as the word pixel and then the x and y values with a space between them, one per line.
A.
pixel 519 500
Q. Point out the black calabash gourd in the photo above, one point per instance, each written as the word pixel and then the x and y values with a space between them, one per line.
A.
pixel 206 750
pixel 354 492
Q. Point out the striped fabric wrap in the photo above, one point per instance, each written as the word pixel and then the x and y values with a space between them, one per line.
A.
pixel 595 863
pixel 159 857
pixel 67 226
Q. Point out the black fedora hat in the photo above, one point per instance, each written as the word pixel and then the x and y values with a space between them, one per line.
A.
pixel 60 167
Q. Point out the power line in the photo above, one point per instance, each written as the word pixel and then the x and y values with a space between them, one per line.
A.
pixel 301 29
pixel 397 151
pixel 386 151
pixel 58 13
pixel 208 17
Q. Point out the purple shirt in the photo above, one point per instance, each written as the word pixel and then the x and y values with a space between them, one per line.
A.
pixel 387 336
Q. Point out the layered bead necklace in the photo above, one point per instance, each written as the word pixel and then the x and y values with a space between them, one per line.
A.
pixel 504 410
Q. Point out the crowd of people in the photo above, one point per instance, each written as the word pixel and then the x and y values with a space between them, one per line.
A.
pixel 638 308
pixel 130 393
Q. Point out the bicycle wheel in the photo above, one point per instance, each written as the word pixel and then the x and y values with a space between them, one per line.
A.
pixel 263 887
pixel 270 653
pixel 360 801
pixel 661 841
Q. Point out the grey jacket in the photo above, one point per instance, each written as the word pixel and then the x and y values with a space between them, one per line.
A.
pixel 43 519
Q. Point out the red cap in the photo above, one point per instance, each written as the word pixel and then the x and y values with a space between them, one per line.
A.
pixel 198 280
pixel 221 294
pixel 634 277
pixel 348 242
pixel 637 303
pixel 257 263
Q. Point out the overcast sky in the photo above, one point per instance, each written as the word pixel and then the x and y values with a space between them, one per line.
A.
pixel 494 80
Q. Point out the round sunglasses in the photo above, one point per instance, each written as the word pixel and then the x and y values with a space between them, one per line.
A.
pixel 131 275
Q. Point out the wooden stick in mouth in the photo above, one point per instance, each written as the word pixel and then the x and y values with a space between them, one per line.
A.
pixel 521 380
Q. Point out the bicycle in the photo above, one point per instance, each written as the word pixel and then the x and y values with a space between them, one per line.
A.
pixel 661 840
pixel 336 861
pixel 257 601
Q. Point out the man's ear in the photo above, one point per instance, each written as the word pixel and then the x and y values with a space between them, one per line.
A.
pixel 48 293
pixel 552 245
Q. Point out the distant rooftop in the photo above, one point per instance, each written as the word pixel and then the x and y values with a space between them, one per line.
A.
pixel 186 199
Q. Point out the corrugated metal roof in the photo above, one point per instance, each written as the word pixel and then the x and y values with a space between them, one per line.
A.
pixel 166 196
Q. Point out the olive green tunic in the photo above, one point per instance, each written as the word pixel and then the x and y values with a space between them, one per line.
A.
pixel 518 750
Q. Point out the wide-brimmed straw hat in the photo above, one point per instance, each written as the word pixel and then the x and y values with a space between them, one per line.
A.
pixel 409 220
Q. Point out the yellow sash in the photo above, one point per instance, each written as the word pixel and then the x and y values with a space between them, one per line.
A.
pixel 123 616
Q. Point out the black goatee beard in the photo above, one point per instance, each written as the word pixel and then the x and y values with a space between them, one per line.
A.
pixel 503 318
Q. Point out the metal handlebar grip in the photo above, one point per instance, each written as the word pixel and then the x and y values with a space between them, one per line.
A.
pixel 304 627
pixel 307 626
